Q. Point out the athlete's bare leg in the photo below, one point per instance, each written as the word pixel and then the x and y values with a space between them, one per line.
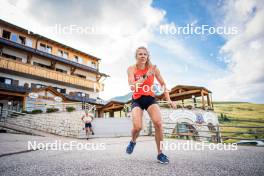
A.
pixel 87 130
pixel 137 114
pixel 154 113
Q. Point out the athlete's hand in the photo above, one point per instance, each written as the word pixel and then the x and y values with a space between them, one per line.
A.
pixel 151 71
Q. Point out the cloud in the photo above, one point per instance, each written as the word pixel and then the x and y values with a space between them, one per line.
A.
pixel 118 29
pixel 245 78
pixel 115 34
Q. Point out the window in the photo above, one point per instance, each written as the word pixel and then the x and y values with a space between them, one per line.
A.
pixel 22 40
pixel 76 58
pixel 63 54
pixel 60 53
pixel 60 90
pixel 80 60
pixel 49 49
pixel 28 42
pixel 33 85
pixel 9 56
pixel 8 81
pixel 14 37
pixel 45 48
pixel 63 91
pixel 6 34
pixel 79 94
pixel 41 65
pixel 5 80
pixel 42 47
pixel 12 57
pixel 61 70
pixel 93 64
pixel 81 76
pixel 39 86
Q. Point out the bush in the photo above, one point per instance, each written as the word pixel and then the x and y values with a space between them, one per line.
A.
pixel 49 110
pixel 24 111
pixel 70 108
pixel 36 111
pixel 224 118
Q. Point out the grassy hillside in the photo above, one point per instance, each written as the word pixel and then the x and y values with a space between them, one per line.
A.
pixel 241 111
pixel 235 110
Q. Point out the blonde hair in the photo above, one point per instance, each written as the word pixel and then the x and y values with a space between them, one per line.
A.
pixel 148 63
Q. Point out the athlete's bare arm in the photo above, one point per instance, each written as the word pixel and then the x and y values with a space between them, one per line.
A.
pixel 131 80
pixel 92 117
pixel 163 85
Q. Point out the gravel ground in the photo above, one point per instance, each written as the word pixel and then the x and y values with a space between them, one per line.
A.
pixel 114 161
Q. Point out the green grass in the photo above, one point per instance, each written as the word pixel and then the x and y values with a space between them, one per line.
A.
pixel 240 111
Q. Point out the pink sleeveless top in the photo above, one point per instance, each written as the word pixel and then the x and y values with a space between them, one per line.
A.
pixel 144 88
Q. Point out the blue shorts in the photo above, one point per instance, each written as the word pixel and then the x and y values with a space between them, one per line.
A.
pixel 143 102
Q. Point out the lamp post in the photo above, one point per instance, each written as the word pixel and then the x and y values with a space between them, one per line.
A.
pixel 9 103
pixel 194 101
pixel 83 101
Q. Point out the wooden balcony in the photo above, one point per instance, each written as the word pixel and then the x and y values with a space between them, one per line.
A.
pixel 44 74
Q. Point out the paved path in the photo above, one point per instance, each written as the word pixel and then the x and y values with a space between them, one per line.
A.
pixel 114 161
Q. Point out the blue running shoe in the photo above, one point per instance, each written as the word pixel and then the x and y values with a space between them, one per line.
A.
pixel 130 147
pixel 163 159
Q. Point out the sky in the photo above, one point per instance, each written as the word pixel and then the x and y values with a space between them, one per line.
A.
pixel 229 63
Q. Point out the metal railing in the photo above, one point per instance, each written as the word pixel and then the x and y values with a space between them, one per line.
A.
pixel 62 107
pixel 215 135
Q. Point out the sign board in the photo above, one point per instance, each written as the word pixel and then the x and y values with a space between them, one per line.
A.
pixel 58 99
pixel 33 95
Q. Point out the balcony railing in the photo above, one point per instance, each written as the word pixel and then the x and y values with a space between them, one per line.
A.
pixel 36 71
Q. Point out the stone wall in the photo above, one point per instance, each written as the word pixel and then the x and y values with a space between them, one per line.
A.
pixel 70 124
pixel 61 123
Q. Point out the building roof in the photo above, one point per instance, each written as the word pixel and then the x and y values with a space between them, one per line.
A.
pixel 51 89
pixel 187 87
pixel 113 106
pixel 24 91
pixel 45 38
pixel 50 56
pixel 181 92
